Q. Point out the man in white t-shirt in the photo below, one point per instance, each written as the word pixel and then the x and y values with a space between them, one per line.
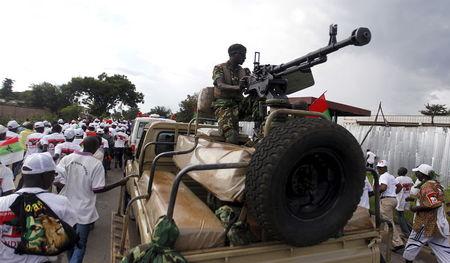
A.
pixel 32 141
pixel 81 176
pixel 370 158
pixel 68 146
pixel 402 204
pixel 12 132
pixel 389 187
pixel 50 141
pixel 6 181
pixel 120 141
pixel 38 172
pixel 79 134
pixel 430 226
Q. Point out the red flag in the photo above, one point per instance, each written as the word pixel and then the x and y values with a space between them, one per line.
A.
pixel 320 105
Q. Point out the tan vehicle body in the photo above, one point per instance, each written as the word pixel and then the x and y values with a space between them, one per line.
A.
pixel 361 245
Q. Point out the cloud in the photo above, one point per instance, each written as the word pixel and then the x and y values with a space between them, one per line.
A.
pixel 168 48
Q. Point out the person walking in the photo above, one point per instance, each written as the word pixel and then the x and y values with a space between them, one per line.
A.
pixel 38 172
pixel 430 226
pixel 389 187
pixel 68 146
pixel 80 174
pixel 120 141
pixel 32 141
pixel 370 158
pixel 402 205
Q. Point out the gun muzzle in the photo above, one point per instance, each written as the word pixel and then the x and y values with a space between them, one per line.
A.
pixel 361 36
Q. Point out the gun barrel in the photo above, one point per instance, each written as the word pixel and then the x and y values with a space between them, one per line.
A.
pixel 359 37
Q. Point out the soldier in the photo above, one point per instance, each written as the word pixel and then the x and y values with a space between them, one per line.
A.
pixel 229 80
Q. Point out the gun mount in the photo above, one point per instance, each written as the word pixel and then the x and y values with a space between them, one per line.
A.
pixel 273 81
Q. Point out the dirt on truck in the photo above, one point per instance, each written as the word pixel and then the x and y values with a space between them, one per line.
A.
pixel 290 195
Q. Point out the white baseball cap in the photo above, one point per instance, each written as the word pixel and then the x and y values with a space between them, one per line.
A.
pixel 12 124
pixel 79 132
pixel 382 163
pixel 39 124
pixel 69 134
pixel 2 129
pixel 100 131
pixel 37 163
pixel 423 168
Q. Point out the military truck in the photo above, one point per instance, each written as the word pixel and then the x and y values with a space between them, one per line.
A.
pixel 292 194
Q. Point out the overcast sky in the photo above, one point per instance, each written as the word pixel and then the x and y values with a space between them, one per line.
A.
pixel 168 48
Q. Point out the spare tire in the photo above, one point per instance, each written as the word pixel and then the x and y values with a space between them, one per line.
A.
pixel 304 181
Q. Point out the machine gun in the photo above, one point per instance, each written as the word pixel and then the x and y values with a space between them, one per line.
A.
pixel 273 81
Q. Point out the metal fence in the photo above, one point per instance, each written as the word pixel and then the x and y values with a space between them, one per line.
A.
pixel 408 146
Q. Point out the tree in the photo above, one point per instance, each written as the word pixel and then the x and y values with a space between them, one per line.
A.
pixel 161 111
pixel 71 112
pixel 131 113
pixel 46 95
pixel 6 90
pixel 188 108
pixel 105 93
pixel 435 110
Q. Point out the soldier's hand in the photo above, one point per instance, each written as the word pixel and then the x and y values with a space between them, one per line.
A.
pixel 243 83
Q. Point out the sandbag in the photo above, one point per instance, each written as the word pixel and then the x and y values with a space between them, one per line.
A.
pixel 199 228
pixel 359 221
pixel 226 184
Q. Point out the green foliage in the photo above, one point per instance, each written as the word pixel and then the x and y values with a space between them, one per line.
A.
pixel 161 111
pixel 46 95
pixel 105 93
pixel 6 90
pixel 71 112
pixel 188 108
pixel 130 114
pixel 435 110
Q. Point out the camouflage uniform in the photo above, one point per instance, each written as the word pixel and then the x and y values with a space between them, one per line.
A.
pixel 229 104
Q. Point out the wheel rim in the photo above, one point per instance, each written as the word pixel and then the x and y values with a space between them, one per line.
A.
pixel 314 184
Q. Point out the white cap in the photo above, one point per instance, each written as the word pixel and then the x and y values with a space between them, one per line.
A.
pixel 382 163
pixel 92 124
pixel 37 163
pixel 13 124
pixel 423 168
pixel 39 124
pixel 79 132
pixel 100 131
pixel 61 121
pixel 3 129
pixel 69 134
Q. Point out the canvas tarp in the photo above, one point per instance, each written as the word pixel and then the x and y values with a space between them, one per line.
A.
pixel 199 227
pixel 226 184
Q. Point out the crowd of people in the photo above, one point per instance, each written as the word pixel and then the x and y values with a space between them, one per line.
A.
pixel 425 198
pixel 50 174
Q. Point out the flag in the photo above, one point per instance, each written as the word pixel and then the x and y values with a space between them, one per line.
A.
pixel 11 151
pixel 320 105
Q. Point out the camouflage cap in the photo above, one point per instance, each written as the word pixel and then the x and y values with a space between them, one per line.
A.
pixel 236 48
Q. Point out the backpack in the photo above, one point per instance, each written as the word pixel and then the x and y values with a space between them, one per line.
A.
pixel 42 231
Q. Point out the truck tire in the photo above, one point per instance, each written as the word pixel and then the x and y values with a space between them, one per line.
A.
pixel 304 181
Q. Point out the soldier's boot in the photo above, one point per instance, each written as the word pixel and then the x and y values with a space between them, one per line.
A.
pixel 231 136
